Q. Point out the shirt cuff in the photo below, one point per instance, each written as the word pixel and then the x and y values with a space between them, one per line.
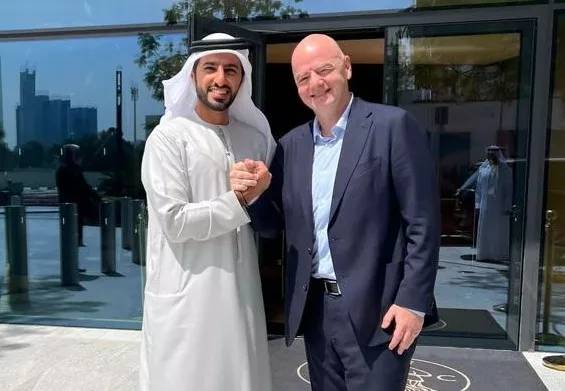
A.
pixel 252 201
pixel 418 313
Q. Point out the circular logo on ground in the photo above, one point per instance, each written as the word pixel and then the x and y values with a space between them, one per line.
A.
pixel 427 375
pixel 423 376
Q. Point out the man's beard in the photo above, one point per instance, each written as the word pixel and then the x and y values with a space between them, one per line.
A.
pixel 211 104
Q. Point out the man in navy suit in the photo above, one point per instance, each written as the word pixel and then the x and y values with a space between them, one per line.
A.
pixel 358 192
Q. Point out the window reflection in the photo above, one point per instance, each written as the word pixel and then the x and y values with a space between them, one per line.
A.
pixel 464 92
pixel 71 132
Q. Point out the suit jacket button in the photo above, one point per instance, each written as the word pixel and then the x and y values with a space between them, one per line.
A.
pixel 305 287
pixel 309 250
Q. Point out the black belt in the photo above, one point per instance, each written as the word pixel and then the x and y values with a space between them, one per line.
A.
pixel 330 287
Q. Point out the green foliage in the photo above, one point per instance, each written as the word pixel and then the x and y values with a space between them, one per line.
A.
pixel 163 59
pixel 150 124
pixel 468 83
pixel 229 9
pixel 32 155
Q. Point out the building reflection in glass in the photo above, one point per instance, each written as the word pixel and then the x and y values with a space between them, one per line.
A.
pixel 66 148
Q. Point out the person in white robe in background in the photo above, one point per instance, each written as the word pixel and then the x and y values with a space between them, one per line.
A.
pixel 493 202
pixel 203 321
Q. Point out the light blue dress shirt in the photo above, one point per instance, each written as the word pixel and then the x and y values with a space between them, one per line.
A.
pixel 326 157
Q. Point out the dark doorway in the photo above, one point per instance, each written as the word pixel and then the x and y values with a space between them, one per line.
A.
pixel 285 111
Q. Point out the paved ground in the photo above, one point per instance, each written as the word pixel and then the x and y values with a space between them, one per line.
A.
pixel 100 300
pixel 45 358
pixel 52 358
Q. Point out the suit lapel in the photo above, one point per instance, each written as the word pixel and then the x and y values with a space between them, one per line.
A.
pixel 354 140
pixel 305 156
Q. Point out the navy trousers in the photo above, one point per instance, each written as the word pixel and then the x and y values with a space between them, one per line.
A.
pixel 336 361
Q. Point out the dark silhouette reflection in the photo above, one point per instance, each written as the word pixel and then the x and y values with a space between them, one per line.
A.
pixel 72 187
pixel 113 274
pixel 87 277
pixel 48 298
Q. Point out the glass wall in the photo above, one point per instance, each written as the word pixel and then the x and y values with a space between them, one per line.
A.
pixel 74 116
pixel 551 325
pixel 459 3
pixel 60 102
pixel 468 85
pixel 312 7
pixel 469 91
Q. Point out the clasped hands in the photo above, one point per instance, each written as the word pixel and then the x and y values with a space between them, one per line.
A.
pixel 249 179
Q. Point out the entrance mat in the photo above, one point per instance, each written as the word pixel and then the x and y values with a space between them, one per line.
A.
pixel 465 323
pixel 433 368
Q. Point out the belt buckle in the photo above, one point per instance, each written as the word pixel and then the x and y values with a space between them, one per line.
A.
pixel 327 283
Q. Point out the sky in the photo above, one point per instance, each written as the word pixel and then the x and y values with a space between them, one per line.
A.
pixel 84 69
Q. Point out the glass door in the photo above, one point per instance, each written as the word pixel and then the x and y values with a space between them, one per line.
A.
pixel 469 86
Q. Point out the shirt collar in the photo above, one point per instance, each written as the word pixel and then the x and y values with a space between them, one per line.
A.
pixel 339 128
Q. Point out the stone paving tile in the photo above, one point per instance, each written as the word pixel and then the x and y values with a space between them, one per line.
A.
pixel 44 358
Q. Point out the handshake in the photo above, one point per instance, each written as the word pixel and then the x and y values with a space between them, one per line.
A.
pixel 249 179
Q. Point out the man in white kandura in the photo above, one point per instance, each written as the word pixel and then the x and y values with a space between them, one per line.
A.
pixel 492 182
pixel 204 322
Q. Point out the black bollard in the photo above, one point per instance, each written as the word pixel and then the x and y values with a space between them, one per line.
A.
pixel 138 208
pixel 68 223
pixel 108 237
pixel 126 222
pixel 143 235
pixel 16 249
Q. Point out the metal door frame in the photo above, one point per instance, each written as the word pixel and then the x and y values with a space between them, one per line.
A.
pixel 526 30
pixel 542 15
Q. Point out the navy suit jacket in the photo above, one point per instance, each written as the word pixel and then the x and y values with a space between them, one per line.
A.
pixel 384 220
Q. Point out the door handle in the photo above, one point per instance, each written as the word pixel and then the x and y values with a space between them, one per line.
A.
pixel 515 212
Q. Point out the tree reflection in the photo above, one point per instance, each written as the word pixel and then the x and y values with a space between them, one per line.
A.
pixel 163 58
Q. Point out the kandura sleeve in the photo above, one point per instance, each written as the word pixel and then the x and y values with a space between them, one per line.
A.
pixel 168 192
